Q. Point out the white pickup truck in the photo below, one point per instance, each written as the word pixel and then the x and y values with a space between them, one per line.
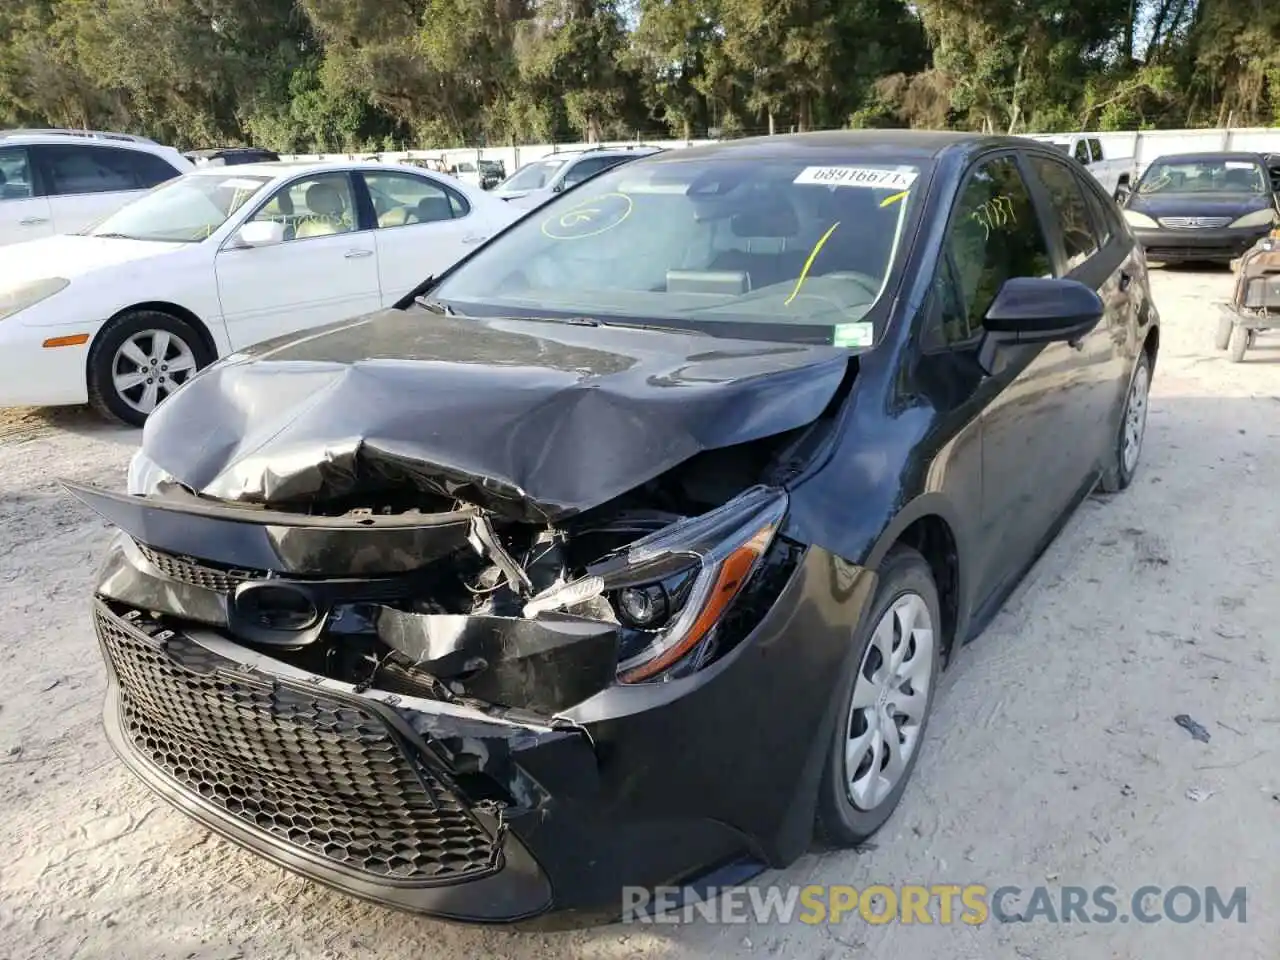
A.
pixel 1114 173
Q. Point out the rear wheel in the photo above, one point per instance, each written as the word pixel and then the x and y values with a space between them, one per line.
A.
pixel 885 709
pixel 1241 340
pixel 1133 430
pixel 1223 336
pixel 140 359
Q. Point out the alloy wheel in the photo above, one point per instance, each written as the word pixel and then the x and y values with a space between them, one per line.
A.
pixel 150 366
pixel 890 701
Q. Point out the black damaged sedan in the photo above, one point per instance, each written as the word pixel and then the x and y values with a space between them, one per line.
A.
pixel 633 546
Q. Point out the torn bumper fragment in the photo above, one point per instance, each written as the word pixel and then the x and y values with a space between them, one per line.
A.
pixel 474 719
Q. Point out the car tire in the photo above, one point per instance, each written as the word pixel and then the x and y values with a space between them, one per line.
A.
pixel 1223 336
pixel 852 807
pixel 1239 343
pixel 110 364
pixel 1119 472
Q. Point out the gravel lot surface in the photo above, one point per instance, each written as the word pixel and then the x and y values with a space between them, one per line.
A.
pixel 1052 758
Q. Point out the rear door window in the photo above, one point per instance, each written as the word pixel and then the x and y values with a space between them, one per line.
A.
pixel 401 200
pixel 84 168
pixel 1074 223
pixel 15 174
pixel 1095 148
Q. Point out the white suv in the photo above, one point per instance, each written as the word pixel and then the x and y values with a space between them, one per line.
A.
pixel 61 181
pixel 536 183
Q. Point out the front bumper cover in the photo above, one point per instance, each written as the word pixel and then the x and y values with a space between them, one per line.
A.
pixel 646 784
pixel 1167 244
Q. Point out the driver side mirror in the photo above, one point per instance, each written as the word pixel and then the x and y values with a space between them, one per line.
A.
pixel 1038 310
pixel 558 188
pixel 259 233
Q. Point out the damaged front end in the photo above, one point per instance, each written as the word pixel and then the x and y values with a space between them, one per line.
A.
pixel 419 703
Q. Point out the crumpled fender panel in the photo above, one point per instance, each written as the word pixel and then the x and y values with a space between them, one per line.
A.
pixel 534 420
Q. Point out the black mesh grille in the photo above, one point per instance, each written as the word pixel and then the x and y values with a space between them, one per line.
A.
pixel 187 570
pixel 325 775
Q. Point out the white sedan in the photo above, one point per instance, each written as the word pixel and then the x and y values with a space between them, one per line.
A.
pixel 217 260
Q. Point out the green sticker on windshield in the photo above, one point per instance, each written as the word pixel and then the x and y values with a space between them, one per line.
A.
pixel 853 334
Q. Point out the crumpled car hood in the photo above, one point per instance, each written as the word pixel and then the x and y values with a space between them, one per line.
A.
pixel 535 420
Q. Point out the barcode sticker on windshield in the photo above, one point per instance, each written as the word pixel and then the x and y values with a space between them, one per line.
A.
pixel 870 177
pixel 1239 165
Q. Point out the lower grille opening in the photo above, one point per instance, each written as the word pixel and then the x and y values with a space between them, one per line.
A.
pixel 322 774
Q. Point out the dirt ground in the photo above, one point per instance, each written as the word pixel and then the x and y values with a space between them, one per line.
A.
pixel 1052 757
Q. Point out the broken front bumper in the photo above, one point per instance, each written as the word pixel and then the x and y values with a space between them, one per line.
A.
pixel 464 810
pixel 334 785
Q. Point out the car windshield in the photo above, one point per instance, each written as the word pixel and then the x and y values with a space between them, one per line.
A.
pixel 186 210
pixel 790 243
pixel 532 176
pixel 1213 175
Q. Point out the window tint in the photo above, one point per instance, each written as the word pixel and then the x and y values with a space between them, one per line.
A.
pixel 399 200
pixel 1095 148
pixel 1069 210
pixel 71 170
pixel 317 206
pixel 15 174
pixel 1082 152
pixel 993 235
pixel 1106 218
pixel 585 169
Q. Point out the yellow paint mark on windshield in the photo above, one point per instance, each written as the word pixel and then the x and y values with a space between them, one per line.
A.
pixel 590 218
pixel 813 255
pixel 894 198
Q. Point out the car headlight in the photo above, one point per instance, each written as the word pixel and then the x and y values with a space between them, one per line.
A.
pixel 16 298
pixel 670 590
pixel 1137 219
pixel 145 475
pixel 1259 218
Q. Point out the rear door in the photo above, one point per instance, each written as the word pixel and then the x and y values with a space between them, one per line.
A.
pixel 993 235
pixel 86 181
pixel 24 214
pixel 424 226
pixel 324 270
pixel 1097 255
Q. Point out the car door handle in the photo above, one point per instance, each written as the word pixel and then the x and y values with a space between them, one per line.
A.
pixel 357 254
pixel 474 239
pixel 33 221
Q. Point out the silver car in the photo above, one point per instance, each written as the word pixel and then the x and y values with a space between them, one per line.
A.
pixel 537 182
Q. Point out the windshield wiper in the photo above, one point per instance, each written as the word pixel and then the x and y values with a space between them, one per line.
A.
pixel 111 236
pixel 595 322
pixel 435 306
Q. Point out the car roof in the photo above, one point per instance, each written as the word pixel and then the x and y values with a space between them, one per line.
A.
pixel 223 151
pixel 904 144
pixel 126 141
pixel 290 168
